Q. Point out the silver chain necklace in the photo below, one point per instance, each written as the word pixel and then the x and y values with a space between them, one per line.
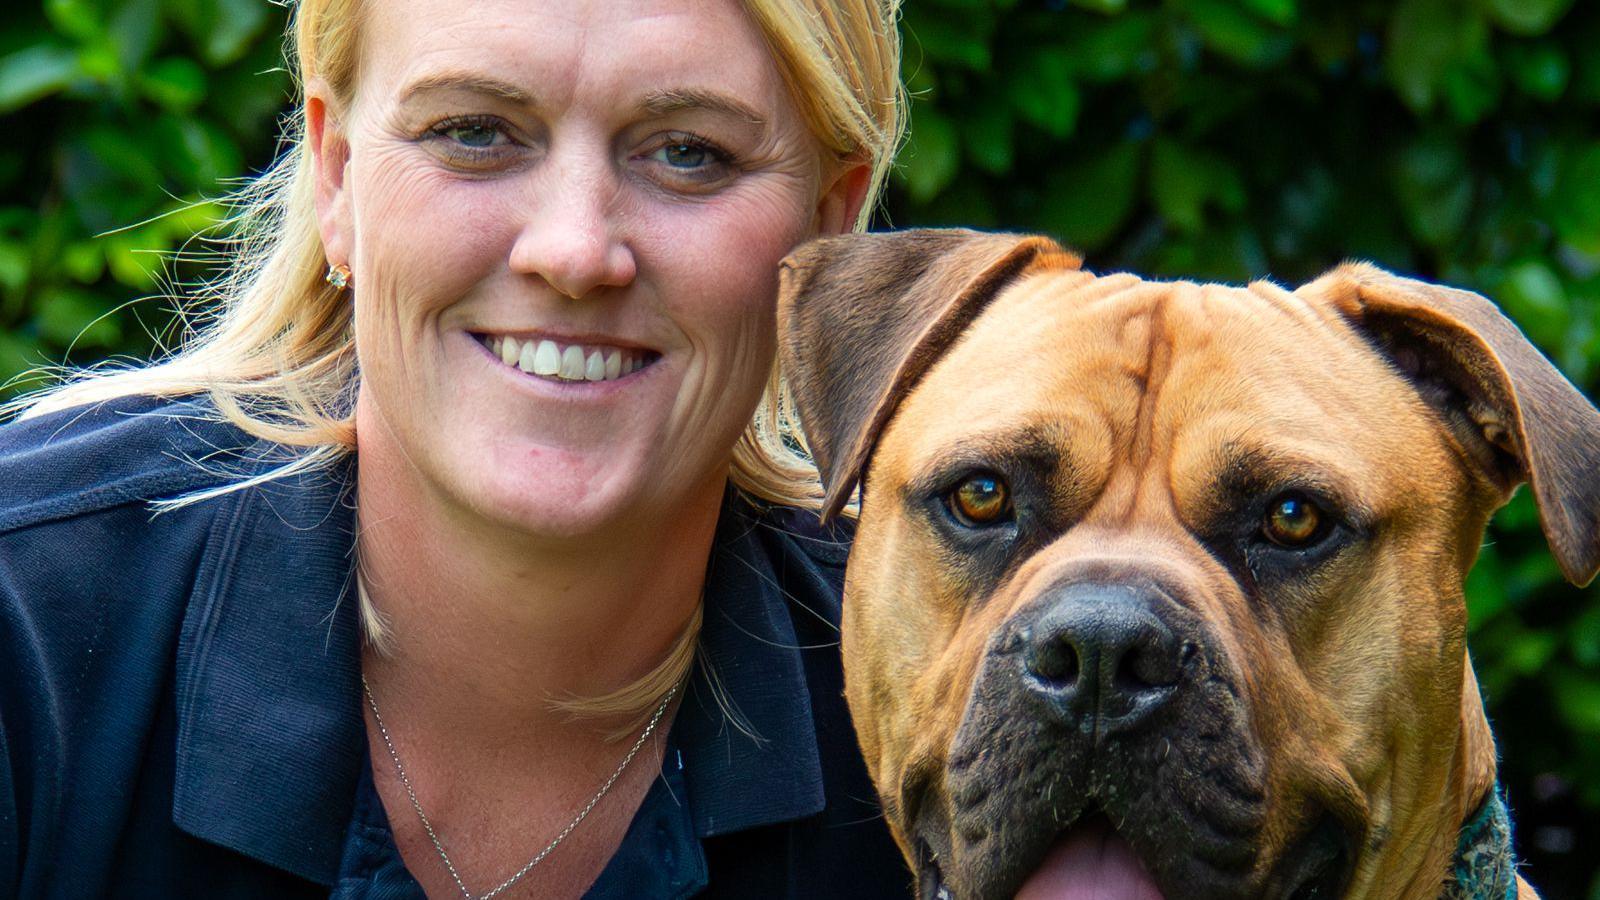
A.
pixel 438 845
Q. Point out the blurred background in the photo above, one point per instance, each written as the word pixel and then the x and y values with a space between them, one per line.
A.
pixel 1456 140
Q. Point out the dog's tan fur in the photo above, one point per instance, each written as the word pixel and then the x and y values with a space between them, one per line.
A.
pixel 1420 407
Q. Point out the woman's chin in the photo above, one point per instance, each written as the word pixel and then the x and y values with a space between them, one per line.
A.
pixel 573 502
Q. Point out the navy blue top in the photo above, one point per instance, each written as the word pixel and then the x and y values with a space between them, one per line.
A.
pixel 180 707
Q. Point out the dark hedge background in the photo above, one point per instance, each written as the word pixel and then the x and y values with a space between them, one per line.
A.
pixel 1219 139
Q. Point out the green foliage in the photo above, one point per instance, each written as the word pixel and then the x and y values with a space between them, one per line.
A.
pixel 1213 139
pixel 124 117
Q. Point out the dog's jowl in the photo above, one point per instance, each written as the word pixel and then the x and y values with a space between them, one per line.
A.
pixel 1157 586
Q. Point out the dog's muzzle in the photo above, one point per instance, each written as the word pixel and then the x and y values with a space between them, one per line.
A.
pixel 1106 725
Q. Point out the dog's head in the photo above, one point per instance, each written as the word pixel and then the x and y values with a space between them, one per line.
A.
pixel 1168 575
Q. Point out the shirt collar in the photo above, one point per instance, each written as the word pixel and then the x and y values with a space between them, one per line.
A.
pixel 270 738
pixel 270 733
pixel 745 728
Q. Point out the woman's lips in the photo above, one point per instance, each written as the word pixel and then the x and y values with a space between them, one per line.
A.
pixel 560 361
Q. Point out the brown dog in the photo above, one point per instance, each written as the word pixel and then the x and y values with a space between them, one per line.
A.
pixel 1157 586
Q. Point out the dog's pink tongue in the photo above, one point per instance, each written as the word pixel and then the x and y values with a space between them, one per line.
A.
pixel 1091 862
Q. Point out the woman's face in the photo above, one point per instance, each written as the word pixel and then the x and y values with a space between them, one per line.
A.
pixel 564 220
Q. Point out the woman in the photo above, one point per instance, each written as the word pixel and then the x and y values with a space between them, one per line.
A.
pixel 543 353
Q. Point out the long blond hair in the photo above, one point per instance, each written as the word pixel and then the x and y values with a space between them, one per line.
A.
pixel 273 346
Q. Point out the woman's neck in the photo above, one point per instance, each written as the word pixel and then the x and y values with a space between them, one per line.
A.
pixel 489 625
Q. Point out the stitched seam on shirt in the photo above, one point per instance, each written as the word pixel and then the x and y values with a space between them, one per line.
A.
pixel 102 497
pixel 226 536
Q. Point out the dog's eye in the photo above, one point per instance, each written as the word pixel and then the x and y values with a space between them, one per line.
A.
pixel 1293 521
pixel 981 499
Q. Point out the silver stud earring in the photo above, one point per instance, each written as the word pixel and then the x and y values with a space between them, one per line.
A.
pixel 338 276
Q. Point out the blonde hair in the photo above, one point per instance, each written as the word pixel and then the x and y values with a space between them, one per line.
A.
pixel 274 349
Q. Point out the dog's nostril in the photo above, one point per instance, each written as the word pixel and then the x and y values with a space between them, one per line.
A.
pixel 1054 662
pixel 1144 667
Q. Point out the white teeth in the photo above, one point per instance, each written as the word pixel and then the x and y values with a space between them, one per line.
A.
pixel 548 362
pixel 569 363
pixel 572 363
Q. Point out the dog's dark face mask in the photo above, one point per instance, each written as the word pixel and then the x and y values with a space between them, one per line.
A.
pixel 1157 587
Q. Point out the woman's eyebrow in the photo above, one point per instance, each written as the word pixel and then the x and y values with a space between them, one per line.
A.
pixel 678 99
pixel 466 81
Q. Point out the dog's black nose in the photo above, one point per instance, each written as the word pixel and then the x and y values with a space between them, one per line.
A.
pixel 1099 655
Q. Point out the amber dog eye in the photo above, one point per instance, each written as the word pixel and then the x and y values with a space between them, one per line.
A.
pixel 982 499
pixel 1292 521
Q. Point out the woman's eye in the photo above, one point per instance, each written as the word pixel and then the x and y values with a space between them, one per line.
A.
pixel 1293 521
pixel 684 156
pixel 471 134
pixel 476 135
pixel 982 499
pixel 687 162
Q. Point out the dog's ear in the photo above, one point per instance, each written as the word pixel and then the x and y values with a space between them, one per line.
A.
pixel 862 317
pixel 1508 406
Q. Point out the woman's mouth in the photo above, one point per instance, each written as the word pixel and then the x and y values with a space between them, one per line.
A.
pixel 554 360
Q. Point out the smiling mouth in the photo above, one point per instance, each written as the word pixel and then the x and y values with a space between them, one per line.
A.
pixel 556 361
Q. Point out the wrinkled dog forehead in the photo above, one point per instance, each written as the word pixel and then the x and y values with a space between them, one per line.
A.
pixel 1183 382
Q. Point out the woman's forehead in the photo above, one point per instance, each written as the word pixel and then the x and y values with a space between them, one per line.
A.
pixel 553 53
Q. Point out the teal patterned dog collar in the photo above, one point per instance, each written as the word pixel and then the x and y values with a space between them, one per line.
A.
pixel 1484 867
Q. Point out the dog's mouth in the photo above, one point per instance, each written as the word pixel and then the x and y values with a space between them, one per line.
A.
pixel 1090 860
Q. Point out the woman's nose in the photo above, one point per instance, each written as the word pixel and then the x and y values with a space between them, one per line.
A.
pixel 572 237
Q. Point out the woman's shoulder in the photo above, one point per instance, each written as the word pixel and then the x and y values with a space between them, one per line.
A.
pixel 92 457
pixel 801 531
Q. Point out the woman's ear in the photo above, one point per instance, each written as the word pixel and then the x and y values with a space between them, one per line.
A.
pixel 330 155
pixel 844 191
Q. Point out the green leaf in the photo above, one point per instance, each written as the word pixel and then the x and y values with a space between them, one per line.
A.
pixel 1183 180
pixel 1113 49
pixel 136 257
pixel 1530 651
pixel 134 31
pixel 1471 86
pixel 84 261
pixel 1107 7
pixel 1237 35
pixel 175 83
pixel 1278 12
pixel 1086 203
pixel 72 317
pixel 198 153
pixel 1425 38
pixel 16 356
pixel 1434 188
pixel 987 134
pixel 1584 639
pixel 1541 71
pixel 1528 17
pixel 956 40
pixel 1043 93
pixel 81 20
pixel 932 154
pixel 224 30
pixel 33 73
pixel 1532 294
pixel 1578 698
pixel 16 264
pixel 1575 205
pixel 1486 597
